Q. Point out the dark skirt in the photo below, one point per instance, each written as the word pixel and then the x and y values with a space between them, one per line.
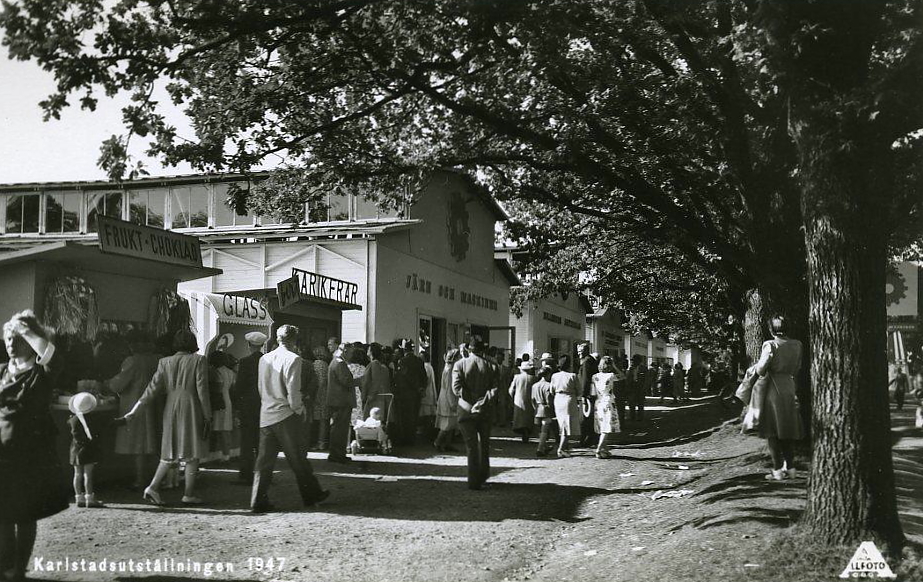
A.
pixel 31 490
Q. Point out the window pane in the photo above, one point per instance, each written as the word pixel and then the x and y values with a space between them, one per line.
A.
pixel 30 204
pixel 198 205
pixel 179 196
pixel 339 207
pixel 14 213
pixel 103 204
pixel 137 206
pixel 156 205
pixel 62 212
pixel 366 209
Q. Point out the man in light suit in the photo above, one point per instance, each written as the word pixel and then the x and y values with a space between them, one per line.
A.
pixel 475 384
pixel 281 415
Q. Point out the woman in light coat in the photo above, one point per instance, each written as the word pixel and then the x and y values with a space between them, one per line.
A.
pixel 521 396
pixel 139 438
pixel 606 418
pixel 567 405
pixel 187 413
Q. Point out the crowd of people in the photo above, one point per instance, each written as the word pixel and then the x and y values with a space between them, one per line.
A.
pixel 291 398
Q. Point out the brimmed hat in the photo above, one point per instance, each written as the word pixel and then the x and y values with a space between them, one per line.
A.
pixel 80 404
pixel 527 366
pixel 256 338
pixel 546 356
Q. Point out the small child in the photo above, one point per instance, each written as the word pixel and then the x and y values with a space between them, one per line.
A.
pixel 85 449
pixel 374 422
pixel 543 399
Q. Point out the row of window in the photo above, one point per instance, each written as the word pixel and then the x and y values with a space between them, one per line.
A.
pixel 174 207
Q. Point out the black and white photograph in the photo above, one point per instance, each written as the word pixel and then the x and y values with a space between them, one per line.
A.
pixel 461 290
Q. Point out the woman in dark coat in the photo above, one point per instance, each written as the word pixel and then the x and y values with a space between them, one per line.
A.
pixel 31 481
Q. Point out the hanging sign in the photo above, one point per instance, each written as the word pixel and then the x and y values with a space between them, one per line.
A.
pixel 119 237
pixel 305 286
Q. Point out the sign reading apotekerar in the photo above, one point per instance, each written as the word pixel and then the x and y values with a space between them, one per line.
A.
pixel 126 238
pixel 308 286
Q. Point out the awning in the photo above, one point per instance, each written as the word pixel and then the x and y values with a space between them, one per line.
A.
pixel 232 308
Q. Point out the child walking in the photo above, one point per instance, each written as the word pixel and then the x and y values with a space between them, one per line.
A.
pixel 85 450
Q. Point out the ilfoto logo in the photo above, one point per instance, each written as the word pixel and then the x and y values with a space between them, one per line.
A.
pixel 867 562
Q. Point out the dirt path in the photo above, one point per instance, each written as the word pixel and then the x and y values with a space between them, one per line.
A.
pixel 412 518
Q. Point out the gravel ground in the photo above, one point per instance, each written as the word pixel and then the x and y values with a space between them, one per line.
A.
pixel 412 518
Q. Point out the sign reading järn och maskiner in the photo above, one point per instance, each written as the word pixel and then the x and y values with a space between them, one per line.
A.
pixel 126 238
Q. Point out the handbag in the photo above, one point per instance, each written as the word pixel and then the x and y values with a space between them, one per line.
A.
pixel 745 388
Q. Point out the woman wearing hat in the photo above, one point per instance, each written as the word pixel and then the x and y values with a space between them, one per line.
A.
pixel 31 485
pixel 521 393
pixel 186 415
pixel 447 405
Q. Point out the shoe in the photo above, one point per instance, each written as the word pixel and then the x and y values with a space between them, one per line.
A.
pixel 153 496
pixel 192 500
pixel 81 501
pixel 342 460
pixel 92 502
pixel 603 454
pixel 266 508
pixel 321 497
pixel 776 475
pixel 563 454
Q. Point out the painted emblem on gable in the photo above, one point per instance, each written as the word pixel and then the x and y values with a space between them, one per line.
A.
pixel 457 226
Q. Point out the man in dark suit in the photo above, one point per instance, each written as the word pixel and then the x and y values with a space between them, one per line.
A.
pixel 588 367
pixel 247 404
pixel 475 384
pixel 341 399
pixel 410 382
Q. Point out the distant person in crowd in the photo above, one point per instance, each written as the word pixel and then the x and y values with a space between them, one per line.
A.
pixel 567 405
pixel 463 350
pixel 376 383
pixel 309 386
pixel 30 472
pixel 780 420
pixel 504 378
pixel 280 423
pixel 695 379
pixel 447 405
pixel 86 451
pixel 679 382
pixel 547 359
pixel 637 385
pixel 650 382
pixel 321 414
pixel 605 415
pixel 588 366
pixel 356 360
pixel 475 385
pixel 333 344
pixel 138 439
pixel 526 357
pixel 341 400
pixel 520 391
pixel 918 394
pixel 409 385
pixel 246 402
pixel 187 415
pixel 665 382
pixel 428 402
pixel 543 401
pixel 900 382
pixel 222 416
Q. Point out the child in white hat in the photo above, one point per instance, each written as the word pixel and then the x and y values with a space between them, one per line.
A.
pixel 85 449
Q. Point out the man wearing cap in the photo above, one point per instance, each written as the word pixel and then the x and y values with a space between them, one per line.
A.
pixel 474 382
pixel 246 401
pixel 281 412
pixel 588 367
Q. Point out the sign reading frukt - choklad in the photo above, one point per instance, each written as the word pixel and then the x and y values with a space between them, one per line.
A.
pixel 126 238
pixel 307 286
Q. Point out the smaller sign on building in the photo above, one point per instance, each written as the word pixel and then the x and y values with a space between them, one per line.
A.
pixel 119 237
pixel 308 286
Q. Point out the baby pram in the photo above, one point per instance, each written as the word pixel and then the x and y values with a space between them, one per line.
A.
pixel 368 440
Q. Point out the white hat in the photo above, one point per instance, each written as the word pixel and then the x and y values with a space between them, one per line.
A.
pixel 546 356
pixel 80 404
pixel 256 338
pixel 527 366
